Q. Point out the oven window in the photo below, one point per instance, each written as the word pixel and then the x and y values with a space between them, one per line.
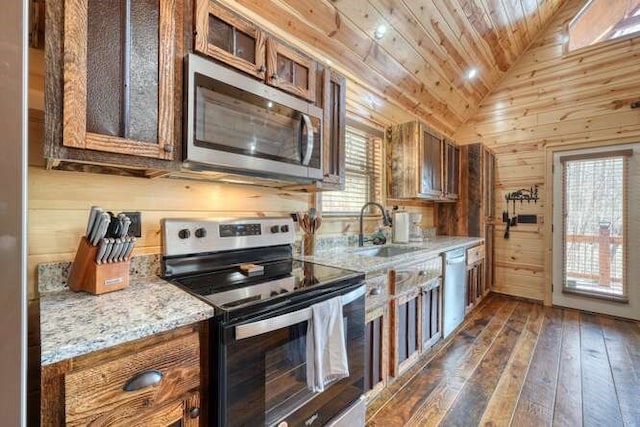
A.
pixel 233 120
pixel 263 378
pixel 286 375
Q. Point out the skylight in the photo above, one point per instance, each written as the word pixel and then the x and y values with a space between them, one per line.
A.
pixel 602 20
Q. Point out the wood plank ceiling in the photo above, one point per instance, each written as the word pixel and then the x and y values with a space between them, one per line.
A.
pixel 418 68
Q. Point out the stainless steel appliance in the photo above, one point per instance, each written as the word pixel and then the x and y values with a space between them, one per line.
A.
pixel 454 290
pixel 262 299
pixel 235 123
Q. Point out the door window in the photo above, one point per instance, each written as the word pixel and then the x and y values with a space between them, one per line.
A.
pixel 594 188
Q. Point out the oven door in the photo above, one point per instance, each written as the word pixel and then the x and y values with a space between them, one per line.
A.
pixel 262 369
pixel 235 123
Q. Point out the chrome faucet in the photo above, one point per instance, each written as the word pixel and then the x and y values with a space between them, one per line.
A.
pixel 385 219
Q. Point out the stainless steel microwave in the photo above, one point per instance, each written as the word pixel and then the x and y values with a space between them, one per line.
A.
pixel 237 124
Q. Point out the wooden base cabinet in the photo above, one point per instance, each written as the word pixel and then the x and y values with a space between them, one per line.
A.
pixel 431 300
pixel 376 352
pixel 477 286
pixel 152 381
pixel 406 331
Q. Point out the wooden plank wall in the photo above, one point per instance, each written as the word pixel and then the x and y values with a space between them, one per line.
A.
pixel 59 202
pixel 551 98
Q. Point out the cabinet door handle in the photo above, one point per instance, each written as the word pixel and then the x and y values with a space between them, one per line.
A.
pixel 142 380
pixel 262 69
pixel 194 412
pixel 274 76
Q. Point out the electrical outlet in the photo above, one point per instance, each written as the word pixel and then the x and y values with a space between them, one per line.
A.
pixel 135 229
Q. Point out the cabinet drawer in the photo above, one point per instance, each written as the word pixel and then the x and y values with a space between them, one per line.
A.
pixel 96 395
pixel 475 254
pixel 407 277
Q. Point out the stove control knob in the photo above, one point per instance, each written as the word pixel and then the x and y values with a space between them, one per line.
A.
pixel 284 228
pixel 184 233
pixel 200 233
pixel 275 229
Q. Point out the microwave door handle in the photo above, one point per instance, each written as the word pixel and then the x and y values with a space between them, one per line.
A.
pixel 285 320
pixel 306 122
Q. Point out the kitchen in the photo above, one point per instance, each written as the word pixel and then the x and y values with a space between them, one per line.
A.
pixel 391 65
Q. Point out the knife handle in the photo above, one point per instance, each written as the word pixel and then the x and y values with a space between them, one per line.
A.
pixel 130 248
pixel 104 244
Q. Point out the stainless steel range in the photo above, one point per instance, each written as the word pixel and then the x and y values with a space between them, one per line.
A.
pixel 264 302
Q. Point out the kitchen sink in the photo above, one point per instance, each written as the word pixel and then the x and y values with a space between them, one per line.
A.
pixel 385 251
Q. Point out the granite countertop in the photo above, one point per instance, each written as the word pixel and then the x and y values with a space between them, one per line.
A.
pixel 350 259
pixel 375 267
pixel 73 324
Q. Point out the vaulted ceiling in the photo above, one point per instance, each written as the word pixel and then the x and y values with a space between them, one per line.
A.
pixel 419 67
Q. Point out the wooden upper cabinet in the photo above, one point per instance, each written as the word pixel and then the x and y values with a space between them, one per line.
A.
pixel 334 100
pixel 431 155
pixel 223 35
pixel 290 70
pixel 451 170
pixel 414 163
pixel 120 76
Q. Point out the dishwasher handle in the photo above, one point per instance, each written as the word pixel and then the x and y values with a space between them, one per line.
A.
pixel 456 260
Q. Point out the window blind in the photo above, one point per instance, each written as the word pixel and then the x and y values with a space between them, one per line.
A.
pixel 363 175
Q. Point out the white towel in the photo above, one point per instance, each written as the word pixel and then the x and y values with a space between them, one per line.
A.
pixel 326 349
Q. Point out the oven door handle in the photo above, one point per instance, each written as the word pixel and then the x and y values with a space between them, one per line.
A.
pixel 285 320
pixel 306 122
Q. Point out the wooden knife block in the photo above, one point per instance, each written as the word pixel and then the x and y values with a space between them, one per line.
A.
pixel 86 275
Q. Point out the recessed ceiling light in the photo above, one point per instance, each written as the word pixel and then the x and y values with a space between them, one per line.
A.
pixel 472 73
pixel 379 32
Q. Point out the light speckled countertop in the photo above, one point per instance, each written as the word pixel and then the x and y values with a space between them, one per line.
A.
pixel 350 259
pixel 73 324
pixel 374 267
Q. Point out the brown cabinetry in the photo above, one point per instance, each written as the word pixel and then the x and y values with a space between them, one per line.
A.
pixel 451 170
pixel 405 327
pixel 416 311
pixel 431 313
pixel 227 37
pixel 377 345
pixel 376 366
pixel 113 82
pixel 334 100
pixel 476 278
pixel 224 36
pixel 474 213
pixel 420 164
pixel 153 381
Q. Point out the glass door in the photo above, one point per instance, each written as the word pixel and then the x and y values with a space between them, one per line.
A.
pixel 594 234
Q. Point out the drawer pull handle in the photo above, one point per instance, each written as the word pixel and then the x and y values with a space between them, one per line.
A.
pixel 142 380
pixel 194 412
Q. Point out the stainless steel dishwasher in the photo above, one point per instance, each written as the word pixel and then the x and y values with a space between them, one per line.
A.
pixel 454 289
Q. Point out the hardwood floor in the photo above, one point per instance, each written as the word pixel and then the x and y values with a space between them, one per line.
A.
pixel 521 364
